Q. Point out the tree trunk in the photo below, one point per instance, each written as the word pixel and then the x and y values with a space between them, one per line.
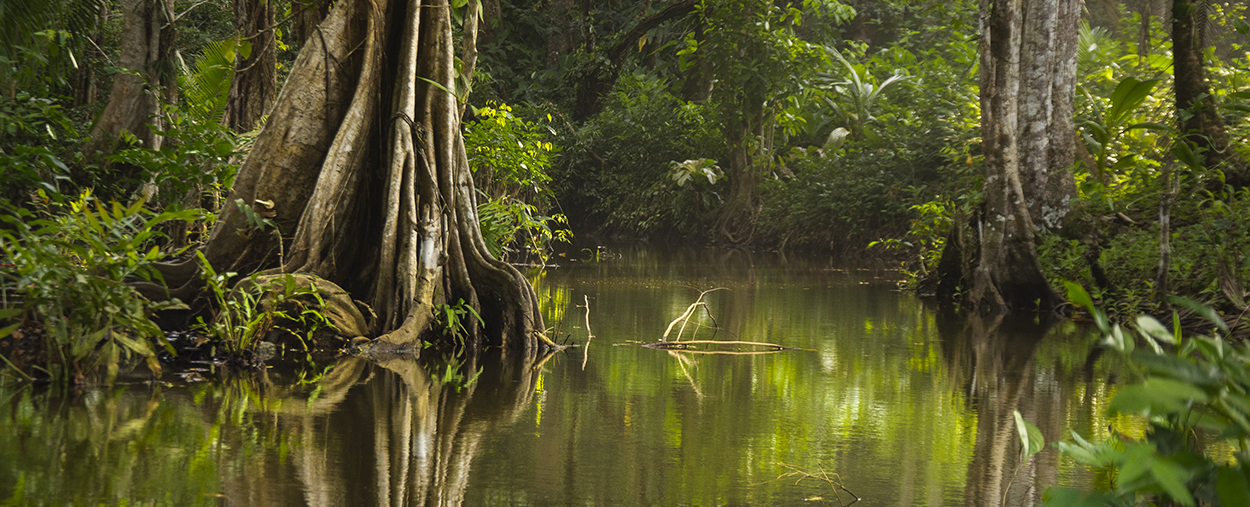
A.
pixel 1200 121
pixel 147 45
pixel 1047 91
pixel 255 80
pixel 737 217
pixel 362 165
pixel 1008 275
pixel 306 18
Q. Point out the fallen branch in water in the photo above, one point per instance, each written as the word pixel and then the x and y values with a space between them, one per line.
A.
pixel 685 317
pixel 693 346
pixel 822 476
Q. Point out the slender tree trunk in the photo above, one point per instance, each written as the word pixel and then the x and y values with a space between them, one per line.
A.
pixel 737 217
pixel 362 165
pixel 147 45
pixel 1008 275
pixel 255 83
pixel 1198 115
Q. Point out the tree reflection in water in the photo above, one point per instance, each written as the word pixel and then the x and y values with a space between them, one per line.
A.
pixel 368 433
pixel 992 356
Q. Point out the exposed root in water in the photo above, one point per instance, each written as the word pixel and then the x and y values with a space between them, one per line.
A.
pixel 833 480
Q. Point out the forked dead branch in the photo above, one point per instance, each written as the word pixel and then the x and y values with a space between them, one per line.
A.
pixel 725 347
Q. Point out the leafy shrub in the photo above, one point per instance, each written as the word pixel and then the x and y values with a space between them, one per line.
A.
pixel 508 154
pixel 36 141
pixel 69 265
pixel 197 156
pixel 1191 389
pixel 616 169
pixel 245 315
pixel 508 221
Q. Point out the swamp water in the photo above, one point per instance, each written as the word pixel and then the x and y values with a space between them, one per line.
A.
pixel 899 403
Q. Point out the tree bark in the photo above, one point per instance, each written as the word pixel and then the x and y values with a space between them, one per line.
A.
pixel 1197 112
pixel 147 45
pixel 255 82
pixel 1047 91
pixel 1008 275
pixel 362 166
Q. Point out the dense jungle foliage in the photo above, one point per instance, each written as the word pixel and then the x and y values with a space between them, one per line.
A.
pixel 850 127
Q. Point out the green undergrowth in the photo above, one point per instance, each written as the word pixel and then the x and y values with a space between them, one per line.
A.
pixel 1194 392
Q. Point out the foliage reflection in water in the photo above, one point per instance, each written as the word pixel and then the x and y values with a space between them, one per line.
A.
pixel 908 405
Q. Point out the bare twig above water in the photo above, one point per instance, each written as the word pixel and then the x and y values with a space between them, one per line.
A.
pixel 685 317
pixel 589 335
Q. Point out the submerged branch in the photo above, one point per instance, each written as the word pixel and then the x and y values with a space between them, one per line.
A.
pixel 692 346
pixel 828 478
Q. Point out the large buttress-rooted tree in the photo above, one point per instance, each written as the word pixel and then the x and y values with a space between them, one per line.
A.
pixel 362 166
pixel 1008 275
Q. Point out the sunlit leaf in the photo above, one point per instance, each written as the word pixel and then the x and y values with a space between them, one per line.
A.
pixel 1031 440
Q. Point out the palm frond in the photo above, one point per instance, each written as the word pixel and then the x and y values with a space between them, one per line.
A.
pixel 206 87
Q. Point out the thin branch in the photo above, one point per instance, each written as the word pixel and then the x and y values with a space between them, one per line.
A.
pixel 184 13
pixel 589 335
pixel 686 316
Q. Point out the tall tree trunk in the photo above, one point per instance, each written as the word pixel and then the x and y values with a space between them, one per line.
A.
pixel 362 165
pixel 1008 275
pixel 1047 90
pixel 255 82
pixel 737 217
pixel 305 19
pixel 696 83
pixel 147 46
pixel 1198 115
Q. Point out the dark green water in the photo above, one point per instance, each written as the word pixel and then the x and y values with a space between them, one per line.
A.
pixel 900 403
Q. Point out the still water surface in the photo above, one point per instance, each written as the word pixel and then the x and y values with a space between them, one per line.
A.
pixel 888 396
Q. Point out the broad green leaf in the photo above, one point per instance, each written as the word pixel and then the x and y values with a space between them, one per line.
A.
pixel 1080 454
pixel 1064 497
pixel 1172 477
pixel 1180 369
pixel 1127 96
pixel 1152 328
pixel 1031 440
pixel 1149 126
